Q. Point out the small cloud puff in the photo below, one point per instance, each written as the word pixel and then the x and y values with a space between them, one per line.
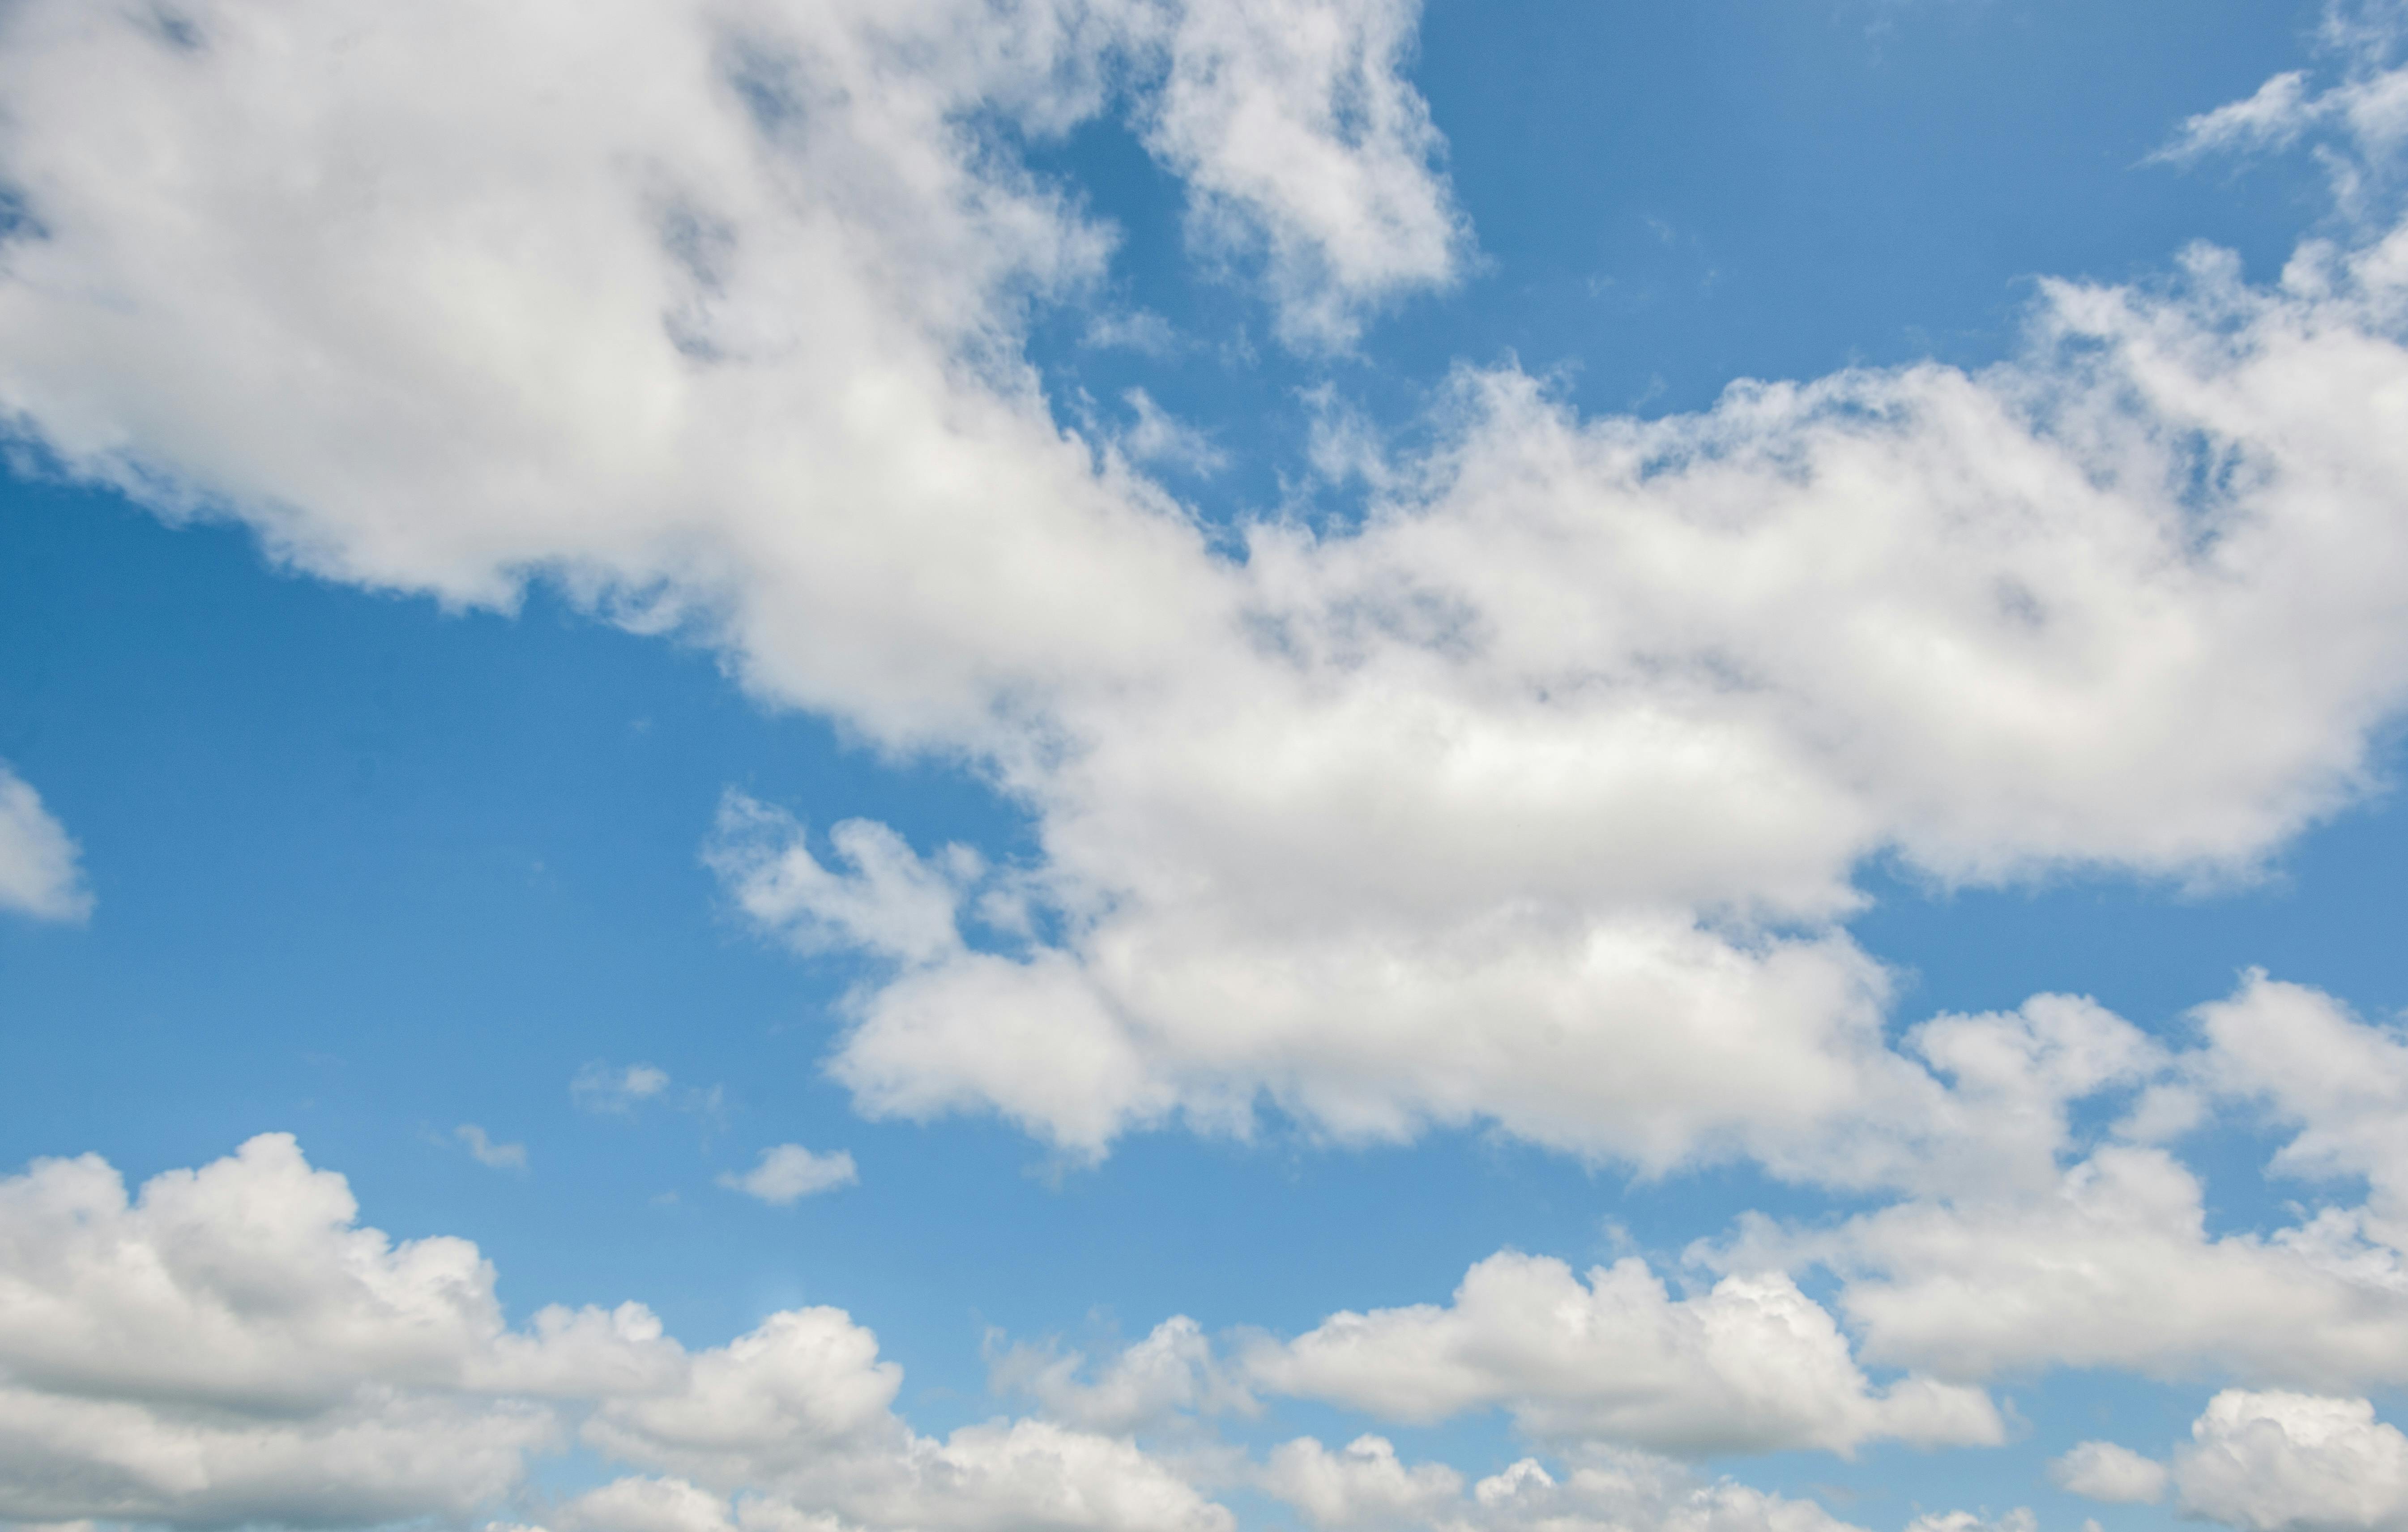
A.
pixel 2102 1470
pixel 41 875
pixel 600 1087
pixel 789 1173
pixel 480 1145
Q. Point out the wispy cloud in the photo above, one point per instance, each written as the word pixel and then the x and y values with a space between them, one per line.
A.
pixel 40 868
pixel 607 1088
pixel 480 1144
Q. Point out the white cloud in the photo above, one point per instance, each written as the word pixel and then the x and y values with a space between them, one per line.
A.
pixel 2270 118
pixel 2366 110
pixel 1361 1485
pixel 39 875
pixel 789 1173
pixel 481 1146
pixel 232 1347
pixel 2308 1064
pixel 2112 1269
pixel 2102 1470
pixel 2018 1520
pixel 1172 1370
pixel 1535 801
pixel 607 1088
pixel 2103 1259
pixel 1629 1490
pixel 1297 132
pixel 1752 1366
pixel 892 902
pixel 1158 437
pixel 1367 1485
pixel 2293 1463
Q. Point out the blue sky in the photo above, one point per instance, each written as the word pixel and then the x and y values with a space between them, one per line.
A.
pixel 1128 705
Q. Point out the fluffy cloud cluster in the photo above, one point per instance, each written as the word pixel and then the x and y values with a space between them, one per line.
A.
pixel 1533 800
pixel 1366 1486
pixel 1607 1363
pixel 2276 1462
pixel 232 1347
pixel 39 870
pixel 2270 1462
pixel 1752 1366
pixel 2107 1259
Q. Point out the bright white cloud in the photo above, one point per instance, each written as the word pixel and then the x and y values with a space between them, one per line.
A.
pixel 788 1173
pixel 1298 135
pixel 2102 1470
pixel 1361 1485
pixel 231 1346
pixel 2293 1463
pixel 1752 1366
pixel 39 870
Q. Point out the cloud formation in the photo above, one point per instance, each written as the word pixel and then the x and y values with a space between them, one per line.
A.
pixel 41 875
pixel 2276 1462
pixel 231 1346
pixel 788 1173
pixel 2102 1470
pixel 1535 801
pixel 1366 1485
pixel 1752 1366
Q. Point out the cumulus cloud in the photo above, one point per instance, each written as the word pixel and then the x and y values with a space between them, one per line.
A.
pixel 1533 800
pixel 788 1173
pixel 2113 1269
pixel 1751 1366
pixel 2103 1257
pixel 231 1346
pixel 2102 1470
pixel 2308 1064
pixel 2293 1463
pixel 1362 1485
pixel 1299 137
pixel 1365 1485
pixel 40 874
pixel 1174 1369
pixel 891 902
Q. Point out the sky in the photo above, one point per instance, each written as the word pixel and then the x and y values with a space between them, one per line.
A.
pixel 1111 766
